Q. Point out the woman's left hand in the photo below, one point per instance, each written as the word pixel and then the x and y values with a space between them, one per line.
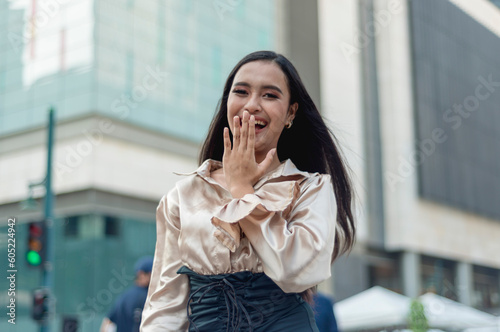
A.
pixel 241 171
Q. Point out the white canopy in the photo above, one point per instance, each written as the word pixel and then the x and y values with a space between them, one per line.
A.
pixel 376 307
pixel 379 308
pixel 495 328
pixel 445 313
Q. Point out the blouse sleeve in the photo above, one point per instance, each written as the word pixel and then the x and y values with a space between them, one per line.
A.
pixel 291 228
pixel 165 307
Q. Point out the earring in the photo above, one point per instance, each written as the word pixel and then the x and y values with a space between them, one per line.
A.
pixel 289 124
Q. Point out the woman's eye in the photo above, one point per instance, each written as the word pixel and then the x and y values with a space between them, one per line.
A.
pixel 270 95
pixel 239 91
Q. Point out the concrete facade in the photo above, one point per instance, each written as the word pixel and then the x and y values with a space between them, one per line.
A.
pixel 370 41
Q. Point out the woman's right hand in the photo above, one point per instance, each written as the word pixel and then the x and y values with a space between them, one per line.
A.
pixel 241 170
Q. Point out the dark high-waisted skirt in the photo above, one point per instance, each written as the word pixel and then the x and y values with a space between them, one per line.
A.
pixel 244 301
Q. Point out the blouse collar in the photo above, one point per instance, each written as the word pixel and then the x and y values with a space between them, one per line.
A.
pixel 286 168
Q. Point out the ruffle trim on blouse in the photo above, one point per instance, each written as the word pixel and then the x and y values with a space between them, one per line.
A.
pixel 272 197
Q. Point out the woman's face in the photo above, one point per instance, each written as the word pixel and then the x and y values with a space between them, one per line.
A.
pixel 260 87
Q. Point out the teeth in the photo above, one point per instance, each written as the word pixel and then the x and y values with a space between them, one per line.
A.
pixel 261 123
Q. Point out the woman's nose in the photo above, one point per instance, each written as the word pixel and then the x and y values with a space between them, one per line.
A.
pixel 252 105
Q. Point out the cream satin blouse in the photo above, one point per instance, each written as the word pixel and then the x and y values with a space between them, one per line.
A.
pixel 285 229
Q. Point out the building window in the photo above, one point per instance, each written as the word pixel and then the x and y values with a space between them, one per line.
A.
pixel 91 226
pixel 438 276
pixel 111 226
pixel 486 294
pixel 383 270
pixel 71 226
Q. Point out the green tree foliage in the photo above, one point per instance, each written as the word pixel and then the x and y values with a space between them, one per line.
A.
pixel 417 320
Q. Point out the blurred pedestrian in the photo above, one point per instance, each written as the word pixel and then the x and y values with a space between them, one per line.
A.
pixel 324 314
pixel 242 241
pixel 125 315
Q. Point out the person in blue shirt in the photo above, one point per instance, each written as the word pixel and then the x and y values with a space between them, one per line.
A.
pixel 323 313
pixel 125 315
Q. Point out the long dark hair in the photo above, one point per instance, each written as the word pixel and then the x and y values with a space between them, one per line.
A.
pixel 309 143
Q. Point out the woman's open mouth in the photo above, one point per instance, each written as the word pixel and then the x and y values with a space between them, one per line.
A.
pixel 259 124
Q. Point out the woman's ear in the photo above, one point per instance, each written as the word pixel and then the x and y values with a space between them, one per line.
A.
pixel 292 110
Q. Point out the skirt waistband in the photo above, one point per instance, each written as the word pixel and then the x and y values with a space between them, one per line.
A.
pixel 244 298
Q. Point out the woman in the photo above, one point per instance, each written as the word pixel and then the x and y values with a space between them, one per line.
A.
pixel 243 241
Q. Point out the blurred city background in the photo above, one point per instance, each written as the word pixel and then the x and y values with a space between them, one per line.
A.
pixel 410 87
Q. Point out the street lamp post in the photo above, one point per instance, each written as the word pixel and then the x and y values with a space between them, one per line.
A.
pixel 48 268
pixel 29 204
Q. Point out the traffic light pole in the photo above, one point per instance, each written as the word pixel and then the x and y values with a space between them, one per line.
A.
pixel 48 268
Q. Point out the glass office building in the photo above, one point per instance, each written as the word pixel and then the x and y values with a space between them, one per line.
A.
pixel 160 64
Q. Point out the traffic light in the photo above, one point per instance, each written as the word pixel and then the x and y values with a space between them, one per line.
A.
pixel 35 255
pixel 40 310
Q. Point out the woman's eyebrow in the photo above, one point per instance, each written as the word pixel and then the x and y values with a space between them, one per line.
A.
pixel 273 87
